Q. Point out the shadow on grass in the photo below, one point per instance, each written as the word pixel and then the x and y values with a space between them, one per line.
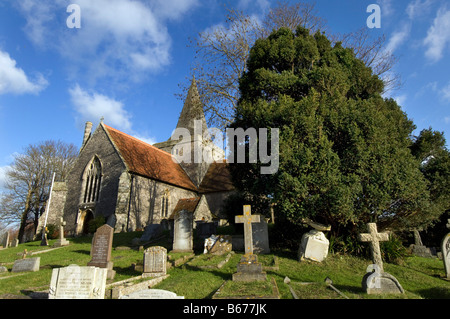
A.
pixel 435 293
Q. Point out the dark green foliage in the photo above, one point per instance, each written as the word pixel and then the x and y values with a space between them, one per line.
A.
pixel 393 250
pixel 96 223
pixel 345 157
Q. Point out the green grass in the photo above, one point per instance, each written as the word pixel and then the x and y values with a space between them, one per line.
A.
pixel 420 277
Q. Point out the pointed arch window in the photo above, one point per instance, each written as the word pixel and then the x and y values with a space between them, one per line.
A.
pixel 93 180
pixel 165 204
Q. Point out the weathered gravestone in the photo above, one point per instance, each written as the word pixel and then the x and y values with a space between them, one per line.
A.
pixel 155 262
pixel 61 241
pixel 5 240
pixel 152 294
pixel 183 232
pixel 314 245
pixel 260 238
pixel 75 282
pixel 445 246
pixel 101 249
pixel 374 238
pixel 27 265
pixel 218 245
pixel 14 243
pixel 248 269
pixel 260 234
pixel 376 281
pixel 150 232
pixel 418 248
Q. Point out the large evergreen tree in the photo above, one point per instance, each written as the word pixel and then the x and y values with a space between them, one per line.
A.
pixel 344 149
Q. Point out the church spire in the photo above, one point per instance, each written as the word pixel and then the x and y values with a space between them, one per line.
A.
pixel 192 110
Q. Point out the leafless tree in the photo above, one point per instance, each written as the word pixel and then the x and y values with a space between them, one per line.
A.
pixel 29 179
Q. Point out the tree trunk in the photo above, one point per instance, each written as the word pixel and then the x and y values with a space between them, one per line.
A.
pixel 23 221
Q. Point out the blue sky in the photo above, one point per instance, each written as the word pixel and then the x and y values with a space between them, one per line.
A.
pixel 128 58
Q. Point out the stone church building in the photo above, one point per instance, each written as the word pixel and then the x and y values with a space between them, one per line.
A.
pixel 133 184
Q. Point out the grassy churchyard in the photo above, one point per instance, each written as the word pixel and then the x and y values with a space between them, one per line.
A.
pixel 199 276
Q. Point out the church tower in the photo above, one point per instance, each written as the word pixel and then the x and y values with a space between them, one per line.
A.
pixel 193 122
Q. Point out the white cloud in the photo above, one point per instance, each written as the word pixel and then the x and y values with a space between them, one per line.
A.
pixel 254 5
pixel 447 120
pixel 445 92
pixel 417 8
pixel 146 139
pixel 399 37
pixel 386 7
pixel 93 106
pixel 117 37
pixel 438 37
pixel 14 80
pixel 401 99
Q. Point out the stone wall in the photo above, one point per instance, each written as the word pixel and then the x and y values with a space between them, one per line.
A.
pixel 56 208
pixel 146 201
pixel 101 146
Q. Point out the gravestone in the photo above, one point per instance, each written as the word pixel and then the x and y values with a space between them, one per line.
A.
pixel 418 248
pixel 152 294
pixel 376 281
pixel 101 249
pixel 314 245
pixel 222 245
pixel 15 243
pixel 75 282
pixel 183 232
pixel 260 234
pixel 248 269
pixel 27 265
pixel 155 262
pixel 374 238
pixel 445 246
pixel 61 241
pixel 5 240
pixel 151 231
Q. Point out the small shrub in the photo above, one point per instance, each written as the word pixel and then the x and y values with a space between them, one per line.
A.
pixel 96 223
pixel 393 250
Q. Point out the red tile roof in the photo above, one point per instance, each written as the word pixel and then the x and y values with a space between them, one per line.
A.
pixel 146 160
pixel 217 179
pixel 189 204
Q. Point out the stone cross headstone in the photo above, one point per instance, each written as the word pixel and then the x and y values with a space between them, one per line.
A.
pixel 183 232
pixel 374 238
pixel 445 247
pixel 61 241
pixel 101 249
pixel 247 219
pixel 75 282
pixel 248 269
pixel 155 262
